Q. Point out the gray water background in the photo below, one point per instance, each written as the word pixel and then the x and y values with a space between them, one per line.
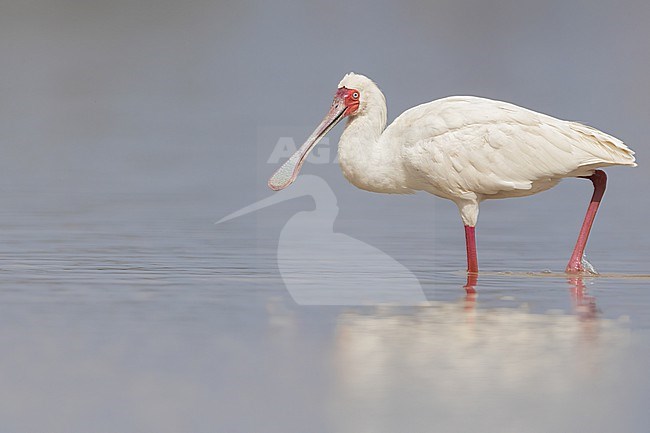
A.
pixel 128 128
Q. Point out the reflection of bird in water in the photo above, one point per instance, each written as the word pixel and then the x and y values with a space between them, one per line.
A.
pixel 321 267
pixel 583 303
pixel 462 148
pixel 460 366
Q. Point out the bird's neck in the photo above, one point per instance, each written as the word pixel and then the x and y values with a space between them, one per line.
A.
pixel 368 160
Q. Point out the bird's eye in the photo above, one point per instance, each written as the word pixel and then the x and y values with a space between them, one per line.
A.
pixel 355 95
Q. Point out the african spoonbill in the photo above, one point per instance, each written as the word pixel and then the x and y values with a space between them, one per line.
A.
pixel 463 148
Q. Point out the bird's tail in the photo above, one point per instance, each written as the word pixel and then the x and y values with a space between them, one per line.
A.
pixel 613 150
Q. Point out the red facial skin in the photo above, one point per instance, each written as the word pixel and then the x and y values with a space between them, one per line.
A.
pixel 350 98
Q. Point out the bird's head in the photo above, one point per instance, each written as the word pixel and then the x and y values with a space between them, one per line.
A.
pixel 351 99
pixel 358 91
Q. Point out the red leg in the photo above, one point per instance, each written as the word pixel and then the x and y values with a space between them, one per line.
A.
pixel 599 179
pixel 472 268
pixel 470 243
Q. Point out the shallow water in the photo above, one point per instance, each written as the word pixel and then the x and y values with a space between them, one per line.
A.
pixel 128 128
pixel 131 311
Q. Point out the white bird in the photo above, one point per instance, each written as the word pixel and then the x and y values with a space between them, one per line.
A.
pixel 463 148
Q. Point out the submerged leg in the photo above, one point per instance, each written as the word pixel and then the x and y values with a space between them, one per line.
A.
pixel 599 179
pixel 470 287
pixel 470 243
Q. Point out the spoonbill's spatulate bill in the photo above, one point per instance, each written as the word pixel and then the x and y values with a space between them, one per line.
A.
pixel 463 148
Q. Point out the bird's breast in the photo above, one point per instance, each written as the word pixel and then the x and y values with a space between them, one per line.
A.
pixel 373 168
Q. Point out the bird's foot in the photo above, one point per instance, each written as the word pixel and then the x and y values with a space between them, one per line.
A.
pixel 581 267
pixel 472 280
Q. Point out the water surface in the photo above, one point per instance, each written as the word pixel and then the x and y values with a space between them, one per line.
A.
pixel 126 311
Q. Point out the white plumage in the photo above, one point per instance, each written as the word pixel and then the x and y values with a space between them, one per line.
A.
pixel 467 149
pixel 463 148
